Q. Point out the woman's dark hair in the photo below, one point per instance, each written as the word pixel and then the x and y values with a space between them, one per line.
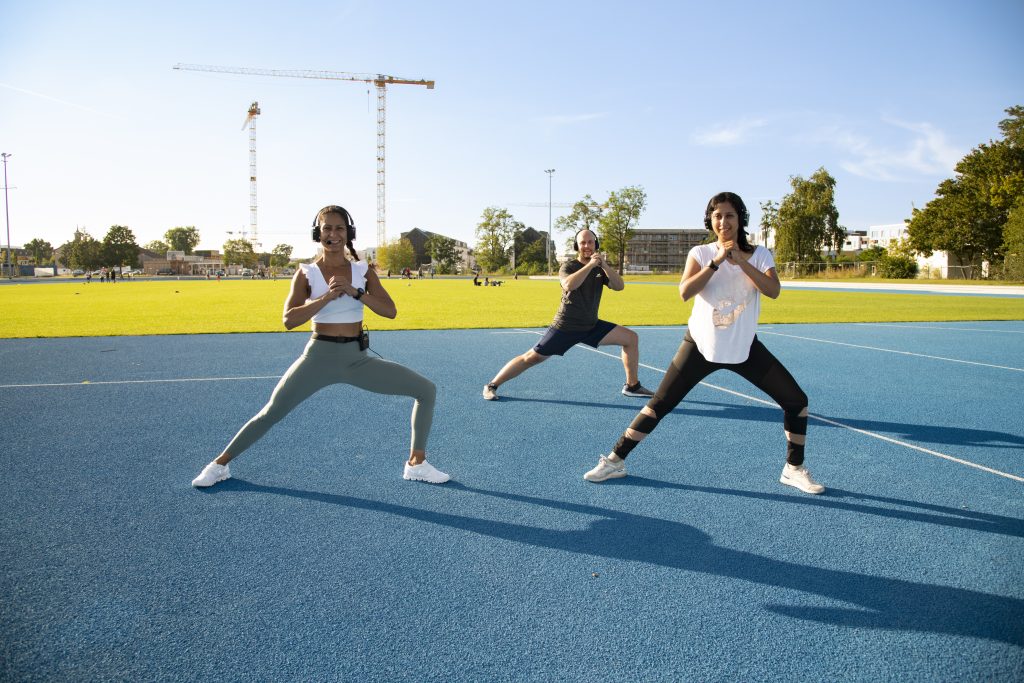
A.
pixel 736 202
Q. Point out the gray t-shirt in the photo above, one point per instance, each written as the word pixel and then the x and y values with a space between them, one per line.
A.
pixel 578 311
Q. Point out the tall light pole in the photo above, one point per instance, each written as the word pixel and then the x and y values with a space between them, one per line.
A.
pixel 547 245
pixel 7 213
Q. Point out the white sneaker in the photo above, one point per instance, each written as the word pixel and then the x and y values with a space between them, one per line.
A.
pixel 606 469
pixel 800 477
pixel 490 392
pixel 211 474
pixel 424 472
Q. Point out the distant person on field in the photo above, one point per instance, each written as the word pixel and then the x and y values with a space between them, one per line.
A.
pixel 726 278
pixel 332 291
pixel 583 280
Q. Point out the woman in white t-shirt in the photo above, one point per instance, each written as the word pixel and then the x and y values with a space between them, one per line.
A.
pixel 332 292
pixel 727 278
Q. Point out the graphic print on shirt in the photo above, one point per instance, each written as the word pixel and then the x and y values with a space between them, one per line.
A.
pixel 728 301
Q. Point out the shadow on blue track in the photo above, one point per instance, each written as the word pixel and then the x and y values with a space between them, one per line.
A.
pixel 881 602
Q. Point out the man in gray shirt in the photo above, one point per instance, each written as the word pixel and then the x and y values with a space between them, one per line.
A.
pixel 583 281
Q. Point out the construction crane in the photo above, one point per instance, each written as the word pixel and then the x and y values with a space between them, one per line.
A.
pixel 250 123
pixel 379 80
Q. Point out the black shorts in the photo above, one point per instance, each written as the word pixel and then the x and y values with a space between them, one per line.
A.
pixel 556 342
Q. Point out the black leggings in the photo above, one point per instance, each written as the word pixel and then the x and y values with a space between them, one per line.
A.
pixel 761 369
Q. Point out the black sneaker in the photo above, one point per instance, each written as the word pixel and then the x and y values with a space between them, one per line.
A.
pixel 638 390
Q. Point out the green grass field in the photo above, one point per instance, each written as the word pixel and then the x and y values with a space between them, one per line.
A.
pixel 201 306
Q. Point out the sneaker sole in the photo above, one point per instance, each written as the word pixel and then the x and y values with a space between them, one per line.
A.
pixel 798 487
pixel 632 395
pixel 428 481
pixel 215 481
pixel 614 475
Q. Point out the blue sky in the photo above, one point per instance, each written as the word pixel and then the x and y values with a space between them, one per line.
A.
pixel 683 98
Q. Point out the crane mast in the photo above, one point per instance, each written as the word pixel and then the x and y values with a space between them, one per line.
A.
pixel 250 121
pixel 380 81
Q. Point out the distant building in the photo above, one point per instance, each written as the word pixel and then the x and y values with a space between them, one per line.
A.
pixel 418 239
pixel 662 249
pixel 882 235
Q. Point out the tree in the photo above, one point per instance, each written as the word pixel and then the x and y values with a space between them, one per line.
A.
pixel 183 238
pixel 1013 242
pixel 119 247
pixel 396 255
pixel 281 255
pixel 83 252
pixel 239 251
pixel 769 219
pixel 495 236
pixel 532 258
pixel 968 216
pixel 41 250
pixel 444 253
pixel 871 254
pixel 621 213
pixel 585 215
pixel 808 218
pixel 157 246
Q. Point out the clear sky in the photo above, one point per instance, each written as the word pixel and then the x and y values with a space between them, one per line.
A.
pixel 683 98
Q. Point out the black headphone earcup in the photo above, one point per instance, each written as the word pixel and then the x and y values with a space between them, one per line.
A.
pixel 316 233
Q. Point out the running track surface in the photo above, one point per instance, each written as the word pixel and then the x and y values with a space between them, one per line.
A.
pixel 318 562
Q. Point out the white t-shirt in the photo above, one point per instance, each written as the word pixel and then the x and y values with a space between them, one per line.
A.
pixel 344 309
pixel 725 313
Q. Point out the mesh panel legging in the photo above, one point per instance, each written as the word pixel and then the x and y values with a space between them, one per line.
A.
pixel 324 363
pixel 761 369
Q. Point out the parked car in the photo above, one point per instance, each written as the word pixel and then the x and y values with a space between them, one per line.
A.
pixel 76 273
pixel 220 273
pixel 165 271
pixel 246 272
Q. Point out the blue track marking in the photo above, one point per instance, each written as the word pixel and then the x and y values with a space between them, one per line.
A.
pixel 317 561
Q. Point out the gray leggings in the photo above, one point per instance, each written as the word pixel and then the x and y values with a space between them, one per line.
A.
pixel 324 363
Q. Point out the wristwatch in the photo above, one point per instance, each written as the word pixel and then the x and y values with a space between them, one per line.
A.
pixel 712 265
pixel 359 293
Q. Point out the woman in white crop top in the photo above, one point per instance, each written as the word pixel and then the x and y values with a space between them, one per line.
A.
pixel 727 278
pixel 332 292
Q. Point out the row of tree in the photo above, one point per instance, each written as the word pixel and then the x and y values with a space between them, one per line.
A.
pixel 500 242
pixel 119 248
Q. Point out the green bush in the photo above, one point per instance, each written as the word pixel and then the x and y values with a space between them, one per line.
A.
pixel 897 267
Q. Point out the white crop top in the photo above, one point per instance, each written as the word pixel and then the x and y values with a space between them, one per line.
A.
pixel 344 309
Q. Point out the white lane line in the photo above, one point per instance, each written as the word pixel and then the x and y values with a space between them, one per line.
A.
pixel 865 432
pixel 904 353
pixel 937 327
pixel 87 382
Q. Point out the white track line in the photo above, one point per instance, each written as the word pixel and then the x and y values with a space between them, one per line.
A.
pixel 904 353
pixel 137 381
pixel 874 435
pixel 936 327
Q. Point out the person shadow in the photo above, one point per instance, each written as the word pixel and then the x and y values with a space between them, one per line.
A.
pixel 951 435
pixel 875 602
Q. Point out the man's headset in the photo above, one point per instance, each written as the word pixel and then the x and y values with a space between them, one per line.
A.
pixel 350 225
pixel 737 204
pixel 575 240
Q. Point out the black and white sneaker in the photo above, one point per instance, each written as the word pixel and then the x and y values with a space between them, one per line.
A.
pixel 638 390
pixel 490 392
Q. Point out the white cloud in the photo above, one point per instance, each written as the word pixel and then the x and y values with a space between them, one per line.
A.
pixel 732 133
pixel 927 152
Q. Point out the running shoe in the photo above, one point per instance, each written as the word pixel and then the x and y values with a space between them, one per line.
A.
pixel 211 474
pixel 425 472
pixel 491 392
pixel 638 390
pixel 800 477
pixel 606 469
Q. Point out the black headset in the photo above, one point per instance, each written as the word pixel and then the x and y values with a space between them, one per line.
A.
pixel 576 244
pixel 737 203
pixel 350 225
